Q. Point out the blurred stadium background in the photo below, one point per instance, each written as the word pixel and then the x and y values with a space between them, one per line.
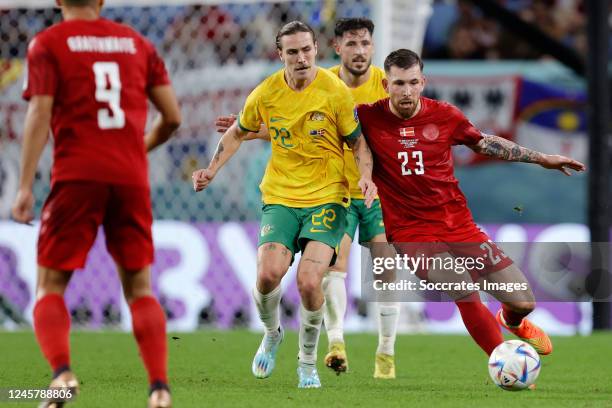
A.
pixel 217 51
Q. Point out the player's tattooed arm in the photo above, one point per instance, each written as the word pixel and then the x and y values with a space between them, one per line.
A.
pixel 500 148
pixel 363 156
pixel 365 164
pixel 226 148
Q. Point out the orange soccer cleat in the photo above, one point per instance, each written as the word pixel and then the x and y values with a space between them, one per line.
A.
pixel 529 333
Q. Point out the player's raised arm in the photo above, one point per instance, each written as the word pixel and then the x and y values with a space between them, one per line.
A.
pixel 365 164
pixel 500 148
pixel 169 118
pixel 35 135
pixel 226 148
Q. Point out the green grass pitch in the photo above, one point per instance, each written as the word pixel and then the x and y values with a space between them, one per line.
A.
pixel 213 368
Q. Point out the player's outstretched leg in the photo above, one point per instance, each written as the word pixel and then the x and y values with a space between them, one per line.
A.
pixel 516 306
pixel 267 307
pixel 333 315
pixel 384 364
pixel 517 324
pixel 479 322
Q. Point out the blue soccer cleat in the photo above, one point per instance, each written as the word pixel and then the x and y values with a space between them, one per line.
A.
pixel 308 376
pixel 263 362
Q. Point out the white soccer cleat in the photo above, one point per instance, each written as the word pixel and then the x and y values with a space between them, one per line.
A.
pixel 308 376
pixel 264 360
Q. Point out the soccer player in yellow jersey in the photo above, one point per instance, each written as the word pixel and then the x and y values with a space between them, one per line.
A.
pixel 354 45
pixel 309 114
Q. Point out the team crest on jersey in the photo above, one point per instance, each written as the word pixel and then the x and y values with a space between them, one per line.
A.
pixel 406 132
pixel 431 132
pixel 317 117
pixel 265 230
pixel 317 132
pixel 408 143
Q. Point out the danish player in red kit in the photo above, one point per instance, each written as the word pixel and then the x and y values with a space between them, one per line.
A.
pixel 423 209
pixel 89 80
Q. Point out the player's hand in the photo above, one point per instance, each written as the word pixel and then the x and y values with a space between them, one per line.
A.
pixel 561 163
pixel 22 206
pixel 369 190
pixel 202 178
pixel 224 122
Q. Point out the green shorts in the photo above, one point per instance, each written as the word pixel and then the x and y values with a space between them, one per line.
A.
pixel 369 220
pixel 294 227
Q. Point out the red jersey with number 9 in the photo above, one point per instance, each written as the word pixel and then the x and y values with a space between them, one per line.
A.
pixel 99 73
pixel 413 168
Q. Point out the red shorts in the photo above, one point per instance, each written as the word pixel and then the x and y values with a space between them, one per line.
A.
pixel 75 209
pixel 482 256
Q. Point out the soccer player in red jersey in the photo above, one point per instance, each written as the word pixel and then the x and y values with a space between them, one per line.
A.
pixel 423 208
pixel 89 80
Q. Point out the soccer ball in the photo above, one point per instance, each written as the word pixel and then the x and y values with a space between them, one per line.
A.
pixel 514 365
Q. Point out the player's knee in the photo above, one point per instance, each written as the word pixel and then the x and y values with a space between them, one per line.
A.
pixel 270 275
pixel 522 307
pixel 51 281
pixel 136 293
pixel 308 285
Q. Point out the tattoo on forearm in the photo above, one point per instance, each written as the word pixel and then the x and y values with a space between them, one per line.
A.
pixel 505 149
pixel 365 161
pixel 217 155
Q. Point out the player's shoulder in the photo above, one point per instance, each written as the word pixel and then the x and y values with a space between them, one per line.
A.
pixel 272 83
pixel 367 109
pixel 335 70
pixel 440 108
pixel 377 72
pixel 330 81
pixel 46 40
pixel 46 36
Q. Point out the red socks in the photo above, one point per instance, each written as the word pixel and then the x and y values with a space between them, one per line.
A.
pixel 512 318
pixel 149 324
pixel 480 322
pixel 52 328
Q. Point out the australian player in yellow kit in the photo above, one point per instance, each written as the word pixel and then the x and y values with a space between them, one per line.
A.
pixel 354 45
pixel 309 114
